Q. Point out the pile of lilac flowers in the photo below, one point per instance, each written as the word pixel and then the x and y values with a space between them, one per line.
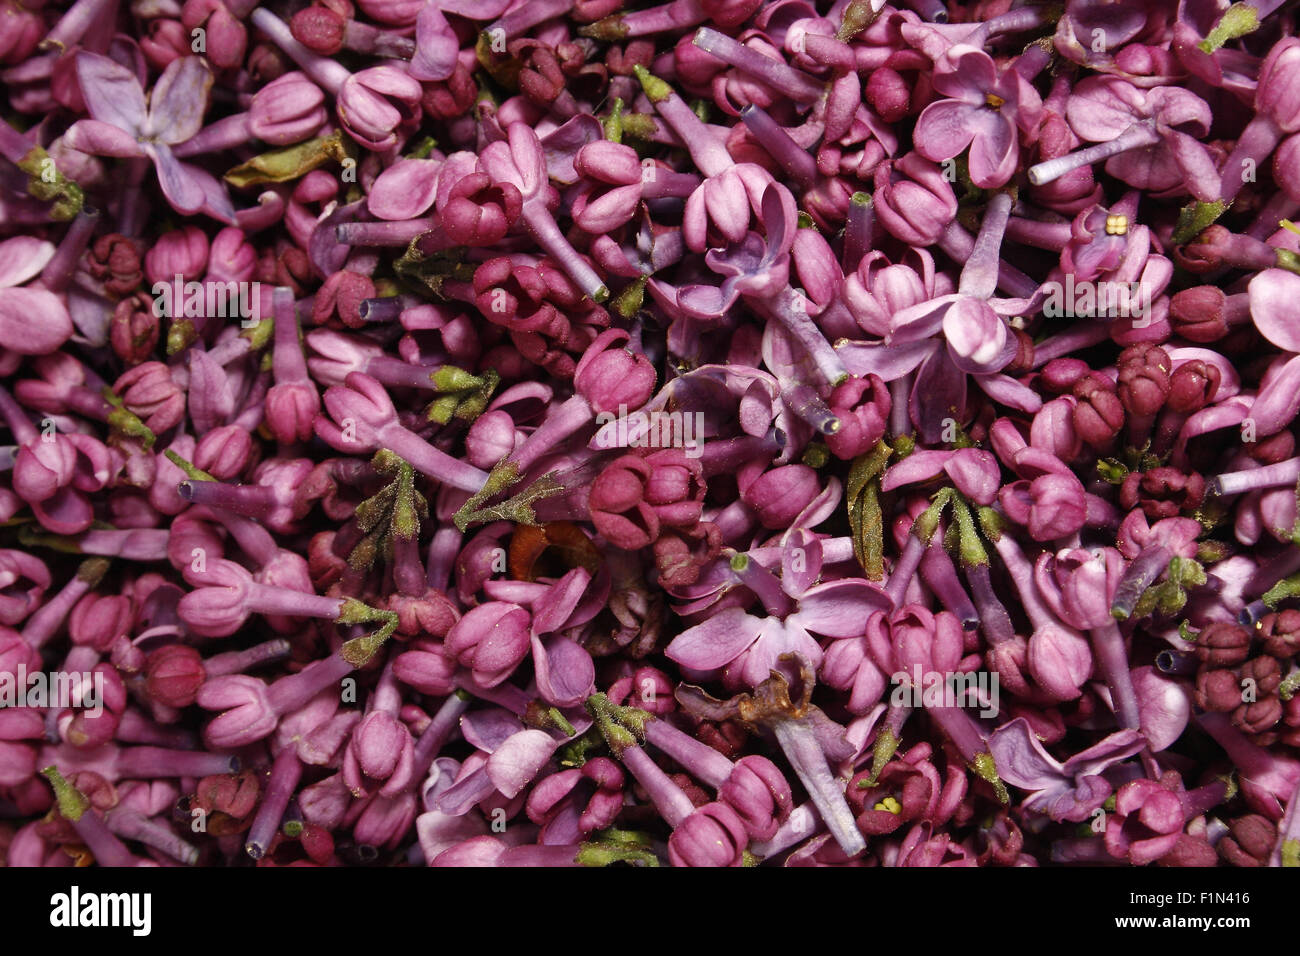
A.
pixel 704 433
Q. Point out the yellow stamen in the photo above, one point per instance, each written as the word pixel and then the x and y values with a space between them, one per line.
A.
pixel 890 804
pixel 993 100
pixel 1116 225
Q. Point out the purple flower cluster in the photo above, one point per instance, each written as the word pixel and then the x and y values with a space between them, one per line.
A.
pixel 697 433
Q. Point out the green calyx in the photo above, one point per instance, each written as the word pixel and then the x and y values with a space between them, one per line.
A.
pixel 628 302
pixel 613 123
pixel 125 422
pixel 617 846
pixel 987 770
pixel 622 727
pixel 394 513
pixel 47 184
pixel 460 394
pixel 1237 21
pixel 542 716
pixel 574 753
pixel 92 570
pixel 885 747
pixel 858 15
pixel 192 471
pixel 181 334
pixel 72 802
pixel 970 548
pixel 866 520
pixel 656 90
pixel 290 162
pixel 1290 684
pixel 927 522
pixel 517 509
pixel 608 30
pixel 359 650
pixel 1286 588
pixel 1195 218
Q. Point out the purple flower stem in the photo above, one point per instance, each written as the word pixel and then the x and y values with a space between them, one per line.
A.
pixel 699 759
pixel 1080 335
pixel 542 226
pixel 961 729
pixel 780 76
pixel 443 550
pixel 1142 572
pixel 798 741
pixel 940 576
pixel 236 662
pixel 808 405
pixel 1278 475
pixel 1137 136
pixel 1083 850
pixel 958 244
pixel 1022 579
pixel 130 824
pixel 1286 852
pixel 932 10
pixel 1112 661
pixel 994 619
pixel 287 362
pixel 721 457
pixel 789 309
pixel 905 569
pixel 1177 663
pixel 435 736
pixel 429 461
pixel 675 15
pixel 789 155
pixel 285 774
pixel 1053 236
pixel 230 132
pixel 386 308
pixel 858 230
pixel 136 728
pixel 47 620
pixel 58 272
pixel 135 544
pixel 1279 207
pixel 251 501
pixel 74 23
pixel 979 276
pixel 291 692
pixel 396 234
pixel 563 422
pixel 707 151
pixel 899 390
pixel 802 823
pixel 1266 769
pixel 326 73
pixel 764 584
pixel 366 38
pixel 670 799
pixel 147 763
pixel 523 18
pixel 669 185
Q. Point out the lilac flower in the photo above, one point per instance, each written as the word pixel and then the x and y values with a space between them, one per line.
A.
pixel 122 126
pixel 986 111
pixel 1062 791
